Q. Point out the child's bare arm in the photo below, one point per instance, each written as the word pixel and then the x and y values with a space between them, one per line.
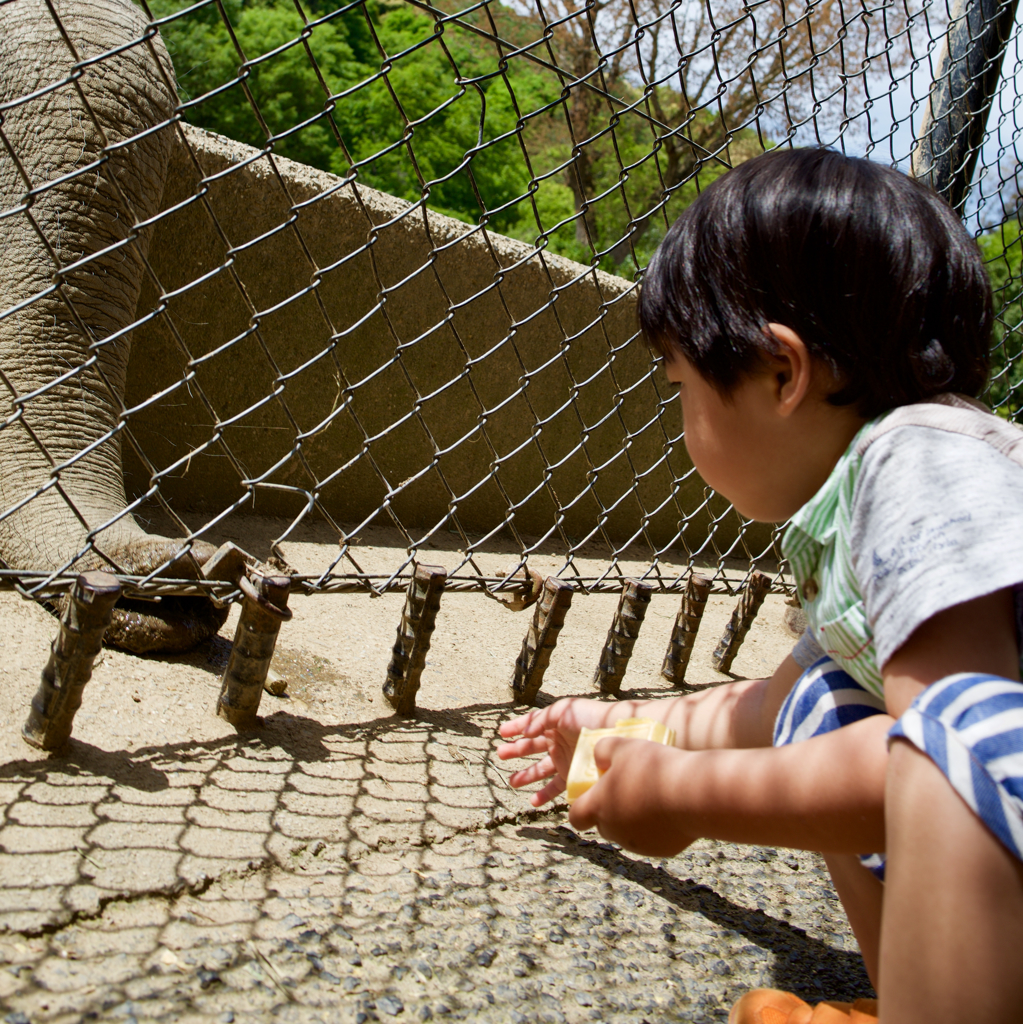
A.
pixel 824 794
pixel 739 714
pixel 977 636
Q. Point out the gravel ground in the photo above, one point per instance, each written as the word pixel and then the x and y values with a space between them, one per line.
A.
pixel 344 865
pixel 519 922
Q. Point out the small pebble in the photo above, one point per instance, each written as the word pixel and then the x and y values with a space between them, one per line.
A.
pixel 422 967
pixel 390 1005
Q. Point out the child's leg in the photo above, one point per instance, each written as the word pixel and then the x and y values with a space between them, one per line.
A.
pixel 827 698
pixel 952 937
pixel 862 895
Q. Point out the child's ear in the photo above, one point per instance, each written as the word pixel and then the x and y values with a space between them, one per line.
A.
pixel 790 366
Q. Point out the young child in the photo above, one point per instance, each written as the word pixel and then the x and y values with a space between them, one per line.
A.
pixel 797 302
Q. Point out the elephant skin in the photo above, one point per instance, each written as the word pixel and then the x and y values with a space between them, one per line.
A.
pixel 64 348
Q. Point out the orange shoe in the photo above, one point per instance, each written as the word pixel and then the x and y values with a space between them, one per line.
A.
pixel 772 1006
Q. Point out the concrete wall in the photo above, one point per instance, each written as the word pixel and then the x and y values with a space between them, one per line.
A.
pixel 407 335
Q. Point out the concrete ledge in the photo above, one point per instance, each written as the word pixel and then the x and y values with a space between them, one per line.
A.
pixel 425 368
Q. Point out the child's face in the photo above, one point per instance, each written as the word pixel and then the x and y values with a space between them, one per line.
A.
pixel 770 444
pixel 721 435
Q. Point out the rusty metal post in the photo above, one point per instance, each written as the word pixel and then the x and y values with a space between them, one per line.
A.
pixel 750 600
pixel 683 633
pixel 72 654
pixel 264 608
pixel 418 618
pixel 621 637
pixel 540 640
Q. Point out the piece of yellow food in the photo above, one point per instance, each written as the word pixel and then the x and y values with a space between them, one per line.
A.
pixel 583 772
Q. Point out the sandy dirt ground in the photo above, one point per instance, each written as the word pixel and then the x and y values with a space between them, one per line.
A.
pixel 344 864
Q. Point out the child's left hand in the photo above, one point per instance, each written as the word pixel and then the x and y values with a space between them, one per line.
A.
pixel 631 804
pixel 552 731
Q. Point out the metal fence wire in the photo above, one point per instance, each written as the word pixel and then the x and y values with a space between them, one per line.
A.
pixel 376 264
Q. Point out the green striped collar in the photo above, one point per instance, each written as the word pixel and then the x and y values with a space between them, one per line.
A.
pixel 817 517
pixel 818 522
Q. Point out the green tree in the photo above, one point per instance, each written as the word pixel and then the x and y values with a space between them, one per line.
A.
pixel 1003 254
pixel 443 119
pixel 469 112
pixel 429 98
pixel 284 87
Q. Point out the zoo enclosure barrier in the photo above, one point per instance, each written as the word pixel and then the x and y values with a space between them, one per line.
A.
pixel 377 264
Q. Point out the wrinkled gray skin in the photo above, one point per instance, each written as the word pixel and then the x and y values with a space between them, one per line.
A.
pixel 52 136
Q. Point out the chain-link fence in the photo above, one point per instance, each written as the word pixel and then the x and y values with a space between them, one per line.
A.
pixel 376 264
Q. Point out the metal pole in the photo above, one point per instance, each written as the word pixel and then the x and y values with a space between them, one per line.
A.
pixel 72 655
pixel 408 657
pixel 540 640
pixel 264 608
pixel 621 637
pixel 683 633
pixel 962 93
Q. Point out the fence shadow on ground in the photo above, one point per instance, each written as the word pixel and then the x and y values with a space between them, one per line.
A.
pixel 313 870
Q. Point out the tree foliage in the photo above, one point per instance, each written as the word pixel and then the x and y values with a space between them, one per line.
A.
pixel 585 125
pixel 1002 249
pixel 382 89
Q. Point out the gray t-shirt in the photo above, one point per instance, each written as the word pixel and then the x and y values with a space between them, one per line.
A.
pixel 937 520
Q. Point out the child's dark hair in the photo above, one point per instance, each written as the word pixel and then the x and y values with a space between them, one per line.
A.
pixel 871 269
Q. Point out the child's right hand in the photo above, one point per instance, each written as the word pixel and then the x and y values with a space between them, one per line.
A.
pixel 553 732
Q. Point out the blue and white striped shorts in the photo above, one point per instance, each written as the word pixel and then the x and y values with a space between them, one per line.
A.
pixel 970 725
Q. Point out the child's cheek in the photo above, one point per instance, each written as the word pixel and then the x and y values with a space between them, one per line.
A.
pixel 699 455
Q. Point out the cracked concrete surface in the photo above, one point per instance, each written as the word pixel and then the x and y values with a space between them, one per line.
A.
pixel 341 864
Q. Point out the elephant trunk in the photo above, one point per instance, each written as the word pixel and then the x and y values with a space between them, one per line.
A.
pixel 78 173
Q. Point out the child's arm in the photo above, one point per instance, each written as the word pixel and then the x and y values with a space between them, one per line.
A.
pixel 824 794
pixel 978 636
pixel 737 714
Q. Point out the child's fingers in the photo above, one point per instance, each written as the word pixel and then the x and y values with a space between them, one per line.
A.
pixel 606 750
pixel 542 769
pixel 553 788
pixel 523 747
pixel 532 723
pixel 583 814
pixel 513 727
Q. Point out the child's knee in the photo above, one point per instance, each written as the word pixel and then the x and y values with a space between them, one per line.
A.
pixel 961 740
